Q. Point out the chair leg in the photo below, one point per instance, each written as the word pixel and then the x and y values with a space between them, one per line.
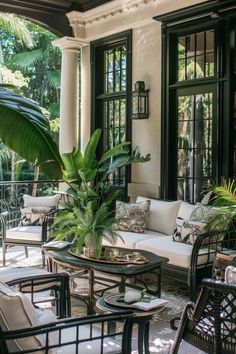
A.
pixel 178 338
pixel 26 252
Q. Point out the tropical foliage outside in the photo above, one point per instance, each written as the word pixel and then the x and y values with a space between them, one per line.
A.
pixel 29 62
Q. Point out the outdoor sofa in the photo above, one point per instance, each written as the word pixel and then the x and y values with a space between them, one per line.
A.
pixel 188 263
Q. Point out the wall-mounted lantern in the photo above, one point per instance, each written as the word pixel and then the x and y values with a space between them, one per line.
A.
pixel 139 101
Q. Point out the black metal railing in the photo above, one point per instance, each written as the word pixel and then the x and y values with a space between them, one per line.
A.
pixel 11 192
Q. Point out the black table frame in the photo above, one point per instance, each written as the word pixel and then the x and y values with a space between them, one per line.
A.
pixel 141 318
pixel 86 268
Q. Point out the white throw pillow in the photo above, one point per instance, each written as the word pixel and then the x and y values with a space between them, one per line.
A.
pixel 162 216
pixel 50 202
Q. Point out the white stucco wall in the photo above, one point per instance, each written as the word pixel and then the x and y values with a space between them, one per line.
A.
pixel 115 17
pixel 146 133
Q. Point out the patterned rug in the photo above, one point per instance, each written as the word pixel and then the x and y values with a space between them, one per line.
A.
pixel 161 335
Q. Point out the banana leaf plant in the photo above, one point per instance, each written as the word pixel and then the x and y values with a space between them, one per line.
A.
pixel 90 210
pixel 25 130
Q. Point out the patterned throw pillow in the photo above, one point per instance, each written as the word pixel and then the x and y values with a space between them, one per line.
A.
pixel 34 215
pixel 203 213
pixel 132 217
pixel 188 231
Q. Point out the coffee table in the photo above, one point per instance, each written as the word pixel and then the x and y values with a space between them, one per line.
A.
pixel 98 272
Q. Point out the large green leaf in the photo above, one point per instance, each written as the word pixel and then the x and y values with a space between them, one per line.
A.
pixel 25 130
pixel 113 151
pixel 90 151
pixel 27 59
pixel 73 163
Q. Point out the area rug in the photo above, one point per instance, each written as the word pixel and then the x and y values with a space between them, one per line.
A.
pixel 161 335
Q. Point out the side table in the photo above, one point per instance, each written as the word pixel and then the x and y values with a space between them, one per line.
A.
pixel 141 318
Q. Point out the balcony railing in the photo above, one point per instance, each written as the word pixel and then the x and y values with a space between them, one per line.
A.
pixel 11 192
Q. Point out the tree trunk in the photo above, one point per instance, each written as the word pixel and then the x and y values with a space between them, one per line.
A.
pixel 36 178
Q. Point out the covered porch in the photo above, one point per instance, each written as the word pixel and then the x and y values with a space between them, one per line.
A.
pixel 180 56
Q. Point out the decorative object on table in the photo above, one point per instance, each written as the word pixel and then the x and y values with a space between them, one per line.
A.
pixel 134 299
pixel 112 255
pixel 90 209
pixel 223 259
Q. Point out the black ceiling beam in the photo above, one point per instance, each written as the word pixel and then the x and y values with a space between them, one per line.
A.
pixel 208 8
pixel 49 13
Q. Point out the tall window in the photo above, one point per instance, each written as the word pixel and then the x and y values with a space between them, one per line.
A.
pixel 112 80
pixel 199 100
pixel 196 60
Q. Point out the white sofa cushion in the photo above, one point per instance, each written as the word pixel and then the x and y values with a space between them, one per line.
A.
pixel 185 210
pixel 179 254
pixel 162 216
pixel 131 238
pixel 50 202
pixel 30 233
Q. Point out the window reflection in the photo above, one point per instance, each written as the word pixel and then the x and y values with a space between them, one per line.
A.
pixel 194 144
pixel 196 56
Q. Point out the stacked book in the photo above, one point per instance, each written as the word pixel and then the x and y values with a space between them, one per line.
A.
pixel 226 254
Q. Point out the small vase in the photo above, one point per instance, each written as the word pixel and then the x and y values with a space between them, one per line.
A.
pixel 90 246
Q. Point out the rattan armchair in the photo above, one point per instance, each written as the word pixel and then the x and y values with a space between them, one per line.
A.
pixel 210 324
pixel 14 233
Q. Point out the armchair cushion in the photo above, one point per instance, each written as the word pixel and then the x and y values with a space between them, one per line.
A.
pixel 50 202
pixel 25 233
pixel 16 312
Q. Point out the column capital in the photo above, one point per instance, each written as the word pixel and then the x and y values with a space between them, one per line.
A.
pixel 69 43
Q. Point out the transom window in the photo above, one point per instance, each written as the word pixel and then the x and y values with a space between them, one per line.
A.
pixel 196 55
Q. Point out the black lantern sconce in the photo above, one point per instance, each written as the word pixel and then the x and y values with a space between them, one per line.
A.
pixel 140 101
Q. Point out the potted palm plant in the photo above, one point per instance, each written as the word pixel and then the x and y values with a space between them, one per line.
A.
pixel 224 204
pixel 90 207
pixel 89 213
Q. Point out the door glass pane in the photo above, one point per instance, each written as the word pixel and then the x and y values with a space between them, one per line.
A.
pixel 194 156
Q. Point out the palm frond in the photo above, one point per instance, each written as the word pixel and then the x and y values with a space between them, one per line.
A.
pixel 17 27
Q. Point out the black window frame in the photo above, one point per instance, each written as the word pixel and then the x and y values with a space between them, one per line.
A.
pixel 97 75
pixel 192 20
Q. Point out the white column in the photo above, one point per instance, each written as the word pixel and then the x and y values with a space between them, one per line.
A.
pixel 68 136
pixel 85 98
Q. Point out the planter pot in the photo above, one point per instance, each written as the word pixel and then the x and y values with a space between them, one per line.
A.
pixel 90 246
